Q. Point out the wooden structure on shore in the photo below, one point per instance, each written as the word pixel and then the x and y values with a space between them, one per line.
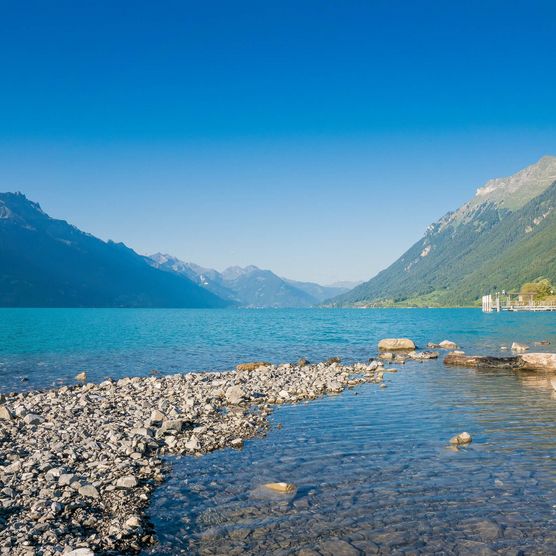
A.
pixel 506 301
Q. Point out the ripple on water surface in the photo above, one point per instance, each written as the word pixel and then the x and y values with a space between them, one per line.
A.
pixel 375 474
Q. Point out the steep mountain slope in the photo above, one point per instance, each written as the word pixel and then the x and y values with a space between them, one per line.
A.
pixel 250 286
pixel 46 262
pixel 504 236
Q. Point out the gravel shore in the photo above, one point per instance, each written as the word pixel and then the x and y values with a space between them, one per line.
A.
pixel 78 464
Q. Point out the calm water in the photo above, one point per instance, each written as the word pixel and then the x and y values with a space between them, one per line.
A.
pixel 372 466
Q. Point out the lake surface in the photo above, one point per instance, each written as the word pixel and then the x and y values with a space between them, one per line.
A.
pixel 373 468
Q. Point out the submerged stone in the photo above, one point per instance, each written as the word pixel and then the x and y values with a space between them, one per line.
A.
pixel 281 487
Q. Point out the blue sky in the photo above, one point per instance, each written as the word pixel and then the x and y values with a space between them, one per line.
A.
pixel 315 138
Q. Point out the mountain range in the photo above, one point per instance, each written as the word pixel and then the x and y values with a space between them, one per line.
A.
pixel 504 236
pixel 46 262
pixel 250 286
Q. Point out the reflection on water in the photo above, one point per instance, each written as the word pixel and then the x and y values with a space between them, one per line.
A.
pixel 375 474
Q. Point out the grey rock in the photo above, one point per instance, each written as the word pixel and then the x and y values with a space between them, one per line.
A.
pixel 33 419
pixel 89 491
pixel 126 482
pixel 235 395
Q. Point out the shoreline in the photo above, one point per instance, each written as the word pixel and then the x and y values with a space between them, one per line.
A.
pixel 79 463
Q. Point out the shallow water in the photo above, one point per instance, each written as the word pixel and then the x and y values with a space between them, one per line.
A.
pixel 372 466
pixel 373 469
pixel 44 347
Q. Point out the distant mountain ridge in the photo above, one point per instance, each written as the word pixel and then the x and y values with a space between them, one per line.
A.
pixel 45 262
pixel 250 286
pixel 503 237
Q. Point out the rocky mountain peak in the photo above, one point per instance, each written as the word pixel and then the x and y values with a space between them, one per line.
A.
pixel 16 206
pixel 514 191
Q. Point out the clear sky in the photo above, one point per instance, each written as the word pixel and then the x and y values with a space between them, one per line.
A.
pixel 316 138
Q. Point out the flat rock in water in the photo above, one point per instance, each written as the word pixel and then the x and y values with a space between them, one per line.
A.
pixel 481 361
pixel 392 344
pixel 422 355
pixel 538 361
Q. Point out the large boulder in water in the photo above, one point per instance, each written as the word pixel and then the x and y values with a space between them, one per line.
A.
pixel 538 361
pixel 392 344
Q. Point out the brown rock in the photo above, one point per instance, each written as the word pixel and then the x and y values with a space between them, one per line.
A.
pixel 252 366
pixel 281 487
pixel 538 361
pixel 391 344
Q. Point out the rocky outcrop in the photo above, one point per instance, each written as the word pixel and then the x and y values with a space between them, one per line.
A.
pixel 393 344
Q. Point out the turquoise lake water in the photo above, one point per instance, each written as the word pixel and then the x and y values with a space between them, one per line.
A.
pixel 372 466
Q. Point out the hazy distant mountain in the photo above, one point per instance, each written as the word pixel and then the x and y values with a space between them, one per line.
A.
pixel 250 286
pixel 345 284
pixel 46 262
pixel 503 237
pixel 205 277
pixel 316 291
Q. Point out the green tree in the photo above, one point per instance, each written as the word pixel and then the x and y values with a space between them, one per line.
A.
pixel 541 288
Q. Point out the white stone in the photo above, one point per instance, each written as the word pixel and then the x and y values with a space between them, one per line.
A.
pixel 519 348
